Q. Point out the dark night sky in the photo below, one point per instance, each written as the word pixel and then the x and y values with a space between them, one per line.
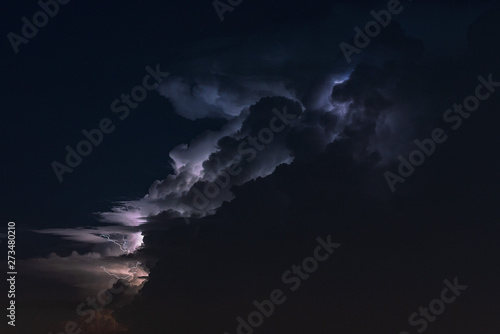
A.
pixel 323 175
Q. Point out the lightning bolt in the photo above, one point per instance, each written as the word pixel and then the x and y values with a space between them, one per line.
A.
pixel 129 277
pixel 123 246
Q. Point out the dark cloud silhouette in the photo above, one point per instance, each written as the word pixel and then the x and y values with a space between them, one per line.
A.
pixel 398 247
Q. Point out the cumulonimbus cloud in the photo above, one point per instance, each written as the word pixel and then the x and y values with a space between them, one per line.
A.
pixel 340 102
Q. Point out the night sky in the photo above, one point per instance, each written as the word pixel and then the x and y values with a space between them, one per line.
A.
pixel 247 167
